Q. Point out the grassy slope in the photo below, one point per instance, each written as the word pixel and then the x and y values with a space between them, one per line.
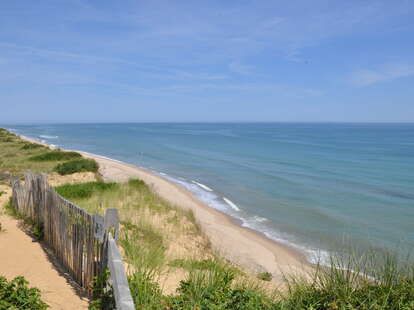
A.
pixel 15 154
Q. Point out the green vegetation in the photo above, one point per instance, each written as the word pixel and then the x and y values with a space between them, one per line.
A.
pixel 217 289
pixel 265 276
pixel 16 294
pixel 55 156
pixel 15 154
pixel 32 146
pixel 79 165
pixel 84 190
pixel 29 224
pixel 102 293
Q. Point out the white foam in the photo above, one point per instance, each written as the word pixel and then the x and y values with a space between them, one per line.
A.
pixel 203 186
pixel 101 156
pixel 48 137
pixel 231 204
pixel 260 219
pixel 313 255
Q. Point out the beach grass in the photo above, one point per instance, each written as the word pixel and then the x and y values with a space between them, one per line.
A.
pixel 84 190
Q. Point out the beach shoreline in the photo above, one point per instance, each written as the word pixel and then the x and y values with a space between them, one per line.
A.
pixel 243 246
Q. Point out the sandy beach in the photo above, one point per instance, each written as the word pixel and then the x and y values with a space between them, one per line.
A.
pixel 245 247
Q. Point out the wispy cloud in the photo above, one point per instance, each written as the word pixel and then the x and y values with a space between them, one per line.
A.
pixel 383 73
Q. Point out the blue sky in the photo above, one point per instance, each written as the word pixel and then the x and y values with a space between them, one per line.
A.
pixel 112 61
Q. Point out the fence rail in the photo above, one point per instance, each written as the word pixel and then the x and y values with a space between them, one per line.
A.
pixel 81 241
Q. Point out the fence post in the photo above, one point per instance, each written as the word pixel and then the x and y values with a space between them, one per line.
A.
pixel 112 220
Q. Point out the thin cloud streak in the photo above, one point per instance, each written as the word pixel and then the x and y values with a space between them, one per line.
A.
pixel 389 72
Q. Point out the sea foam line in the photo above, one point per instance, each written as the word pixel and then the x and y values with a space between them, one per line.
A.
pixel 203 186
pixel 48 137
pixel 231 204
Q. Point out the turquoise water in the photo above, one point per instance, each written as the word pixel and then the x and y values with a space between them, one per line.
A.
pixel 314 187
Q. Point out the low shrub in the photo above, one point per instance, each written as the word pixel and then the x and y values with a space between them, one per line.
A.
pixel 55 156
pixel 79 165
pixel 7 139
pixel 16 294
pixel 102 293
pixel 265 276
pixel 137 183
pixel 31 146
pixel 84 190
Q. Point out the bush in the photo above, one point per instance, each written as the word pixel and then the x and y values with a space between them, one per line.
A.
pixel 55 156
pixel 80 165
pixel 136 183
pixel 83 190
pixel 265 276
pixel 7 139
pixel 31 146
pixel 17 295
pixel 102 293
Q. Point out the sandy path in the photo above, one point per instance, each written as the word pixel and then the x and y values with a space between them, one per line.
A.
pixel 20 255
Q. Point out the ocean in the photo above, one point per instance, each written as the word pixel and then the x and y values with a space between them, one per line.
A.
pixel 319 188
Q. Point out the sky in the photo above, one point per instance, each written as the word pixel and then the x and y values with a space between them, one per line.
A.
pixel 206 61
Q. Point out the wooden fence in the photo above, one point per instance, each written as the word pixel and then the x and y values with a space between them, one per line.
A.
pixel 82 242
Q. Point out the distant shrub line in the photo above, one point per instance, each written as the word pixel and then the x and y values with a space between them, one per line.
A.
pixel 55 156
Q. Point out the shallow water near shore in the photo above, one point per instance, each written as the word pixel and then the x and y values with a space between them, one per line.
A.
pixel 314 187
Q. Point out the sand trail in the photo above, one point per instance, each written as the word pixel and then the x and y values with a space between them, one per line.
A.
pixel 21 255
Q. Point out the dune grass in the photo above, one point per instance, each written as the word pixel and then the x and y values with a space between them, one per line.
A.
pixel 83 190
